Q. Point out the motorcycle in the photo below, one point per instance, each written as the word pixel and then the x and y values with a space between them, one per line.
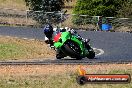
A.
pixel 67 44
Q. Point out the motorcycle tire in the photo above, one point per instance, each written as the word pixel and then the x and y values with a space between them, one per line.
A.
pixel 91 55
pixel 72 51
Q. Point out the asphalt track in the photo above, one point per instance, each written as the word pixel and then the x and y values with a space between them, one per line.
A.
pixel 117 46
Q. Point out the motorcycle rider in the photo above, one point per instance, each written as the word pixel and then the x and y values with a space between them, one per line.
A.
pixel 50 32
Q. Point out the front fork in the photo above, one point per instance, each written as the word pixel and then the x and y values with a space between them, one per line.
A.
pixel 87 49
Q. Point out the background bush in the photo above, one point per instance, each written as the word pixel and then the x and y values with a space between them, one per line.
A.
pixel 106 8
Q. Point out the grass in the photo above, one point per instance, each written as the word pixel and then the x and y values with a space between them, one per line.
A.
pixel 8 50
pixel 62 80
pixel 15 49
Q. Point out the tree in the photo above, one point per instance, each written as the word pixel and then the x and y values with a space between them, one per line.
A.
pixel 126 10
pixel 98 7
pixel 106 8
pixel 44 6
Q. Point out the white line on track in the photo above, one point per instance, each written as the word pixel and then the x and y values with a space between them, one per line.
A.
pixel 31 39
pixel 100 53
pixel 7 36
pixel 25 38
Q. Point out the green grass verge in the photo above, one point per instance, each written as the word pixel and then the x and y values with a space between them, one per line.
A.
pixel 8 50
pixel 66 80
pixel 20 49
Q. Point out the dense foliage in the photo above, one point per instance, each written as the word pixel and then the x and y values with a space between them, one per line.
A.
pixel 98 7
pixel 45 6
pixel 126 10
pixel 106 8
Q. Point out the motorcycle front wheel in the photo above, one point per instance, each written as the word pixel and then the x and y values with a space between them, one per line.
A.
pixel 72 50
pixel 91 55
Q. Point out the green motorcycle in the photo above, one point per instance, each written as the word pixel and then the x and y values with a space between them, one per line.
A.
pixel 69 45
